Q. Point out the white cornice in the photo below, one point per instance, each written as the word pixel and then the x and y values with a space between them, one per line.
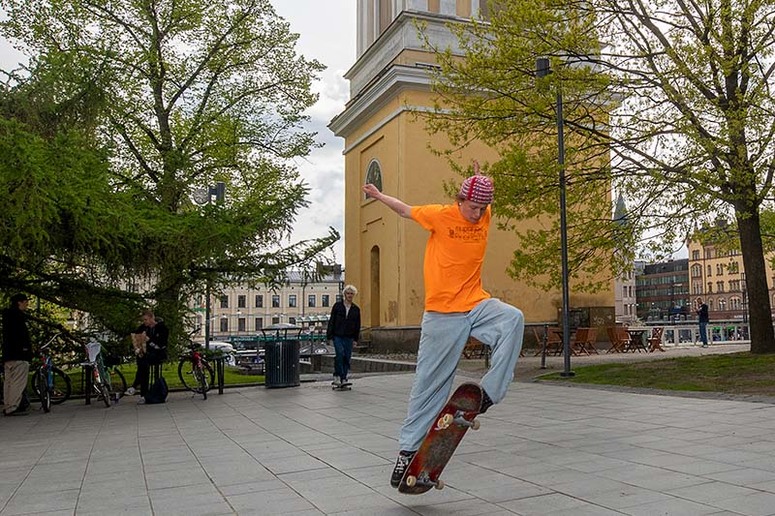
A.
pixel 375 97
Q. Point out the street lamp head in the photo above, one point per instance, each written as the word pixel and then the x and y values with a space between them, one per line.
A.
pixel 542 67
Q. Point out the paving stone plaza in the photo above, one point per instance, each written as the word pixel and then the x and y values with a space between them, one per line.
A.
pixel 547 449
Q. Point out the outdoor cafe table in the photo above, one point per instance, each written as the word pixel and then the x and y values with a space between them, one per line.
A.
pixel 636 339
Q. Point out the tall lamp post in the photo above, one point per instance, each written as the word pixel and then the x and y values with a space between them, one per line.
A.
pixel 205 196
pixel 542 70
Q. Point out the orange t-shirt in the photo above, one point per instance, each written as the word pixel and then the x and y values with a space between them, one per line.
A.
pixel 453 258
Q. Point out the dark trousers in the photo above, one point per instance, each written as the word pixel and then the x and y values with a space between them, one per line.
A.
pixel 344 350
pixel 143 375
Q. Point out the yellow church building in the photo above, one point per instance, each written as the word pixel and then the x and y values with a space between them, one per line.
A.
pixel 386 144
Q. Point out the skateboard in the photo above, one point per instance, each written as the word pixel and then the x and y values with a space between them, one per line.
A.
pixel 442 439
pixel 342 387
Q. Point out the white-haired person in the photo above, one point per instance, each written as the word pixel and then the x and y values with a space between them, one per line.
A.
pixel 344 328
pixel 456 308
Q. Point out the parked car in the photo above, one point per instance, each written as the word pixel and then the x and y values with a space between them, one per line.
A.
pixel 226 348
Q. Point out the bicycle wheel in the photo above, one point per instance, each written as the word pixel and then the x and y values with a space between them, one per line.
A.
pixel 105 395
pixel 190 380
pixel 44 393
pixel 201 380
pixel 117 381
pixel 61 389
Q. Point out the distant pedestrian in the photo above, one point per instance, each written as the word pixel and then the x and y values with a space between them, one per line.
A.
pixel 17 355
pixel 344 328
pixel 702 314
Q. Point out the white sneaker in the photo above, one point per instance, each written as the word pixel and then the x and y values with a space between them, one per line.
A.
pixel 141 401
pixel 337 382
pixel 130 391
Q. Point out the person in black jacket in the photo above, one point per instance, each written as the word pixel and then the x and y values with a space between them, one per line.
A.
pixel 17 354
pixel 157 336
pixel 702 314
pixel 344 328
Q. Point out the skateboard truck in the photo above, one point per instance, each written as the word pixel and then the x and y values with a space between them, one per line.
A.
pixel 447 419
pixel 424 480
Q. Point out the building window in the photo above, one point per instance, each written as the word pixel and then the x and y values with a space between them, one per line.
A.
pixel 275 301
pixel 325 300
pixel 224 325
pixel 291 320
pixel 259 301
pixel 484 10
pixel 710 271
pixel 292 301
pixel 695 255
pixel 259 323
pixel 374 174
pixel 242 301
pixel 722 304
pixel 696 271
pixel 719 269
pixel 311 300
pixel 275 320
pixel 733 268
pixel 224 301
pixel 710 287
pixel 242 324
pixel 720 286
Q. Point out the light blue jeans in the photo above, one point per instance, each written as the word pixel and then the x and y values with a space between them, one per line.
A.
pixel 443 336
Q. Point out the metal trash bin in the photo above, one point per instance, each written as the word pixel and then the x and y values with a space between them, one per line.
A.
pixel 281 359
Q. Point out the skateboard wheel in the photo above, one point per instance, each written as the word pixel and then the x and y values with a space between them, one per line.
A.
pixel 411 480
pixel 439 484
pixel 445 421
pixel 475 425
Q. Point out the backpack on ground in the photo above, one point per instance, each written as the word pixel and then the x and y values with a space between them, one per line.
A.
pixel 157 393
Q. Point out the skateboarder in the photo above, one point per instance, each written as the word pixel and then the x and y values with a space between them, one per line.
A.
pixel 456 308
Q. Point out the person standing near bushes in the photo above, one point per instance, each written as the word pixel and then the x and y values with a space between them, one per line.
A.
pixel 156 339
pixel 17 355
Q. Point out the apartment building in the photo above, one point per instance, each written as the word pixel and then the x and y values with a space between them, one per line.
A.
pixel 243 313
pixel 718 277
pixel 662 291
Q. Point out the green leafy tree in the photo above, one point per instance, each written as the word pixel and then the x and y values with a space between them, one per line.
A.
pixel 668 103
pixel 190 93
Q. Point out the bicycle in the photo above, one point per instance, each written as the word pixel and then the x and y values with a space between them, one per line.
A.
pixel 43 378
pixel 100 378
pixel 50 383
pixel 195 371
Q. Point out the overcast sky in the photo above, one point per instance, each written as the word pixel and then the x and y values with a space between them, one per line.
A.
pixel 327 33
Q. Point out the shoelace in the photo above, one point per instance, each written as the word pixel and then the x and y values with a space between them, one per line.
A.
pixel 403 463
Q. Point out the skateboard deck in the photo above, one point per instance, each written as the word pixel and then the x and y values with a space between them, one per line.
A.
pixel 343 386
pixel 442 439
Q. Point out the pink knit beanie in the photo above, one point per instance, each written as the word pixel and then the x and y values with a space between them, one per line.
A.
pixel 477 188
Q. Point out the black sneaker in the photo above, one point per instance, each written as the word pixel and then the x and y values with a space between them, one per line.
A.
pixel 486 402
pixel 402 462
